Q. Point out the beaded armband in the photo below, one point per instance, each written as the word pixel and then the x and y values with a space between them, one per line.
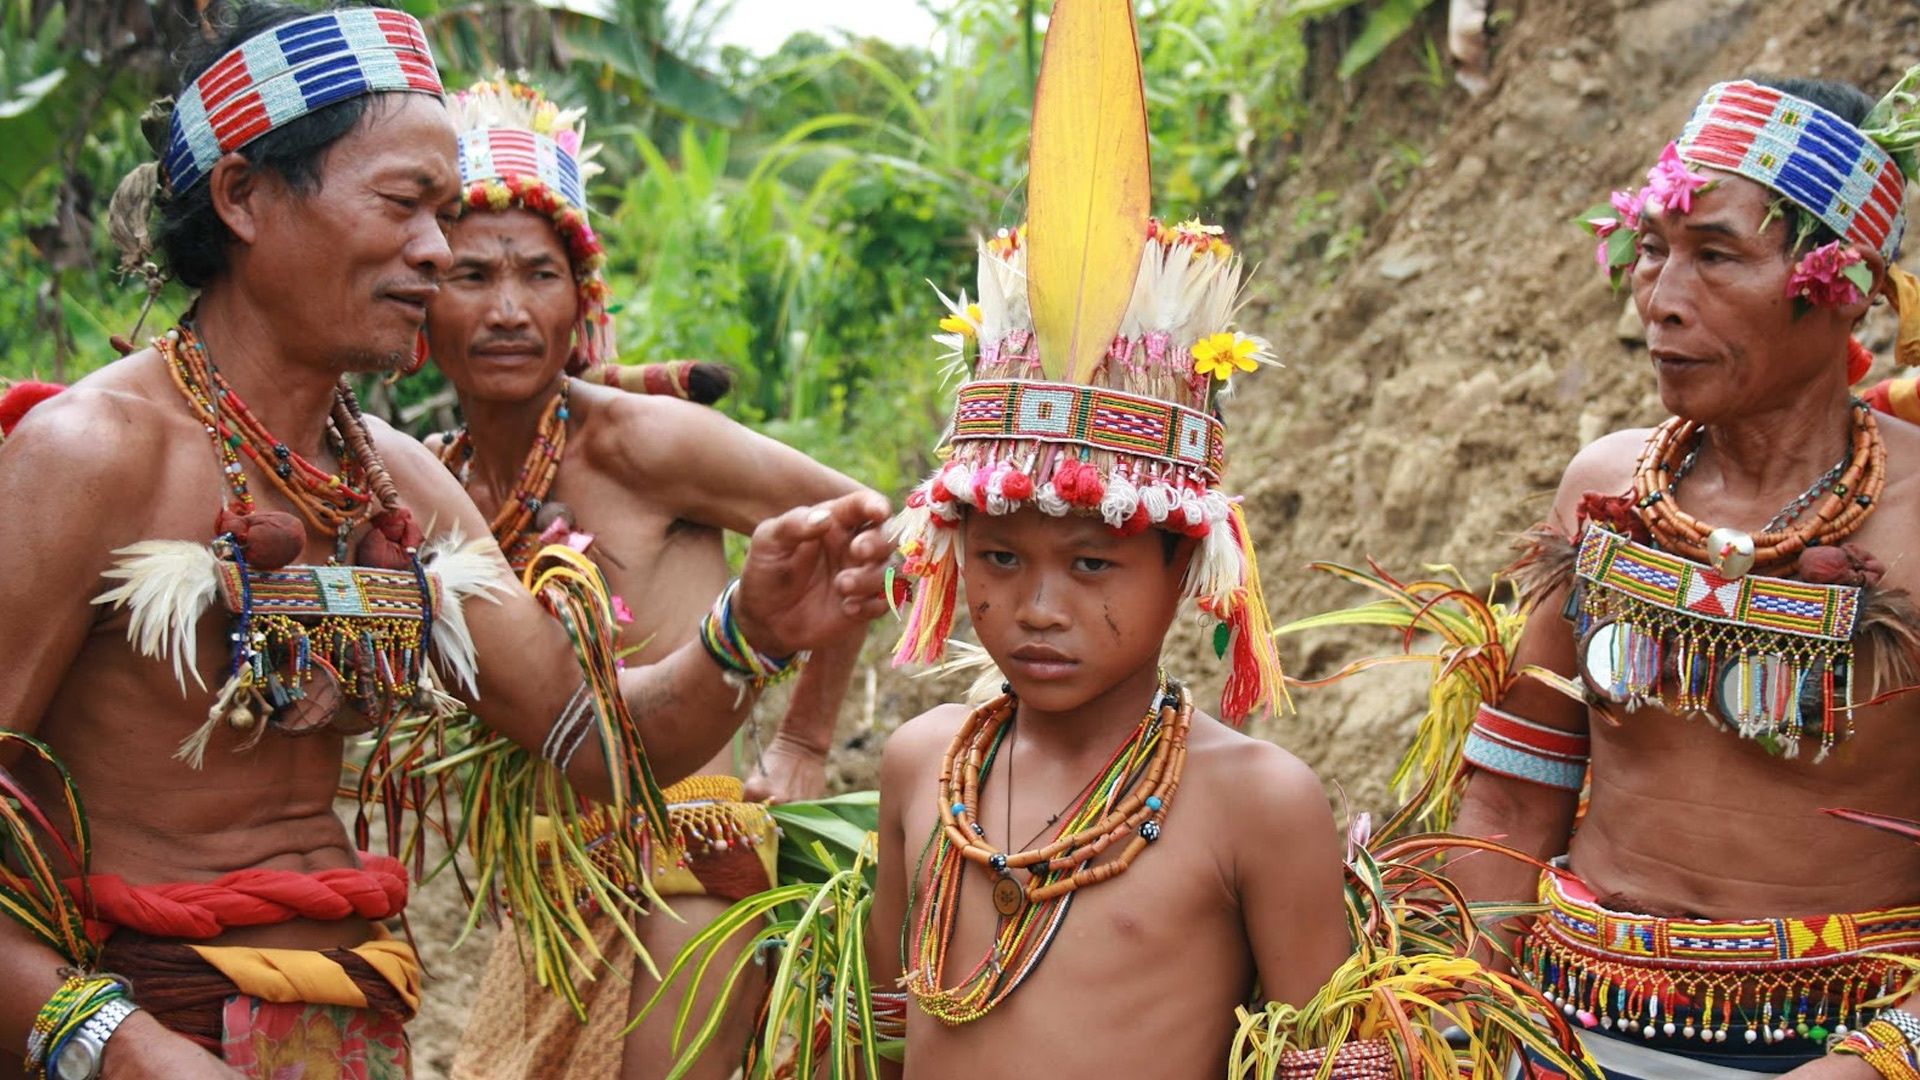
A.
pixel 744 665
pixel 1371 1059
pixel 1883 1045
pixel 1503 743
pixel 570 729
pixel 77 1001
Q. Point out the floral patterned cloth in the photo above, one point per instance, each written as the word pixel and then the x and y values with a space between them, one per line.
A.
pixel 269 1041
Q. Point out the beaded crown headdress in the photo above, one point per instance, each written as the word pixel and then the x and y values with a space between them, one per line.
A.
pixel 1850 178
pixel 287 72
pixel 518 149
pixel 1094 359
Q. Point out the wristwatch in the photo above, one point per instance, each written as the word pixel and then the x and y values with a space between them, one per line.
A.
pixel 79 1058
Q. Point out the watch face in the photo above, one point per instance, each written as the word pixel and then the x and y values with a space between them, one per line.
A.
pixel 78 1060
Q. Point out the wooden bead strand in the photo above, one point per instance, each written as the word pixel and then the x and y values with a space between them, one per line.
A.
pixel 1837 514
pixel 1130 797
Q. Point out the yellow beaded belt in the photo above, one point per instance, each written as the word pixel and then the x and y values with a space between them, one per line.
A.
pixel 722 846
pixel 1780 979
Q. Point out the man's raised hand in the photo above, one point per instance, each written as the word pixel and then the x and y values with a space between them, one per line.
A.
pixel 814 574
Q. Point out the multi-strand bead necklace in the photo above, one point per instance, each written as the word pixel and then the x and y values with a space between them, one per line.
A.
pixel 1830 511
pixel 1129 797
pixel 332 503
pixel 513 522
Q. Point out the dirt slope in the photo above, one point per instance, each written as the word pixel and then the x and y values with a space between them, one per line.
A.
pixel 1441 381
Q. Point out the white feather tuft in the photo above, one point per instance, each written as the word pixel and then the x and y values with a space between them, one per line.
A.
pixel 166 586
pixel 1002 285
pixel 1219 567
pixel 466 570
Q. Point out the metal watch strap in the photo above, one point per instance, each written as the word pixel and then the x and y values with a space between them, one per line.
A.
pixel 93 1034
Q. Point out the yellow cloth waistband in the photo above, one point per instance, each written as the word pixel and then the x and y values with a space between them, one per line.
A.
pixel 290 976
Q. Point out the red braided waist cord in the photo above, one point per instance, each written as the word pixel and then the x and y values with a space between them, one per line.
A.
pixel 374 890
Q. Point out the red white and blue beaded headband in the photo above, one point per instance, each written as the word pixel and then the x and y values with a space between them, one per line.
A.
pixel 498 153
pixel 289 71
pixel 1827 166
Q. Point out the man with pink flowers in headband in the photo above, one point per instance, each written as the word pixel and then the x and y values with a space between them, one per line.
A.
pixel 1721 607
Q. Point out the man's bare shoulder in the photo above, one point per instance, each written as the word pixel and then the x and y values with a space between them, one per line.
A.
pixel 425 484
pixel 1606 463
pixel 108 425
pixel 651 434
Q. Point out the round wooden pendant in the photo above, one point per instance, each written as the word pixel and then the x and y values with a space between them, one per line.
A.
pixel 317 710
pixel 1009 899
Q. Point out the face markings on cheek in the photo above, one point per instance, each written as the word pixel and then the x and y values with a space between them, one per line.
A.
pixel 980 609
pixel 1106 612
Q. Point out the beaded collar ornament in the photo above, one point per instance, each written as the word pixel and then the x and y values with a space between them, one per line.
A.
pixel 518 149
pixel 287 72
pixel 1095 358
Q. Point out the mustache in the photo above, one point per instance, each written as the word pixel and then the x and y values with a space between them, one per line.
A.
pixel 409 286
pixel 508 342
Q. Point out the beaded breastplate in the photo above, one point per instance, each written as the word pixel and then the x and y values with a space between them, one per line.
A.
pixel 1768 657
pixel 327 647
pixel 312 648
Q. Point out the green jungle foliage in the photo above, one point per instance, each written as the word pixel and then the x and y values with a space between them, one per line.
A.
pixel 783 214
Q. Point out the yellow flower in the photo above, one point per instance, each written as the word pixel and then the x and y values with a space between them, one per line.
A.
pixel 965 325
pixel 1219 354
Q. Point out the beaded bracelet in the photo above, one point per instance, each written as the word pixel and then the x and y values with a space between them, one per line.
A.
pixel 1367 1059
pixel 1882 1045
pixel 889 1015
pixel 70 1007
pixel 744 665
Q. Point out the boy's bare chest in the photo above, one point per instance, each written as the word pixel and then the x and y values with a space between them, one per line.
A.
pixel 1147 967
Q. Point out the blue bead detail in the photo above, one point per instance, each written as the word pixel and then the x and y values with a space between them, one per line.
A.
pixel 561 413
pixel 959 808
pixel 1154 803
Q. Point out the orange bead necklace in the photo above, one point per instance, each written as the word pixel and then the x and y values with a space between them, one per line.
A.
pixel 1831 515
pixel 512 523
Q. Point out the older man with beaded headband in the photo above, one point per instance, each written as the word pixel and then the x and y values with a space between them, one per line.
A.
pixel 201 628
pixel 642 485
pixel 1735 590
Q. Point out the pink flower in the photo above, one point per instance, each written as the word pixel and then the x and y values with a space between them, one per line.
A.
pixel 1627 204
pixel 621 613
pixel 1670 184
pixel 569 141
pixel 1821 276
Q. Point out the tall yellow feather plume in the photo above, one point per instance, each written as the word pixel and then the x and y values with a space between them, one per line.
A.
pixel 1088 188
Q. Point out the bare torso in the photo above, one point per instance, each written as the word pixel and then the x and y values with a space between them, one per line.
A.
pixel 117 717
pixel 1146 970
pixel 666 568
pixel 1684 819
